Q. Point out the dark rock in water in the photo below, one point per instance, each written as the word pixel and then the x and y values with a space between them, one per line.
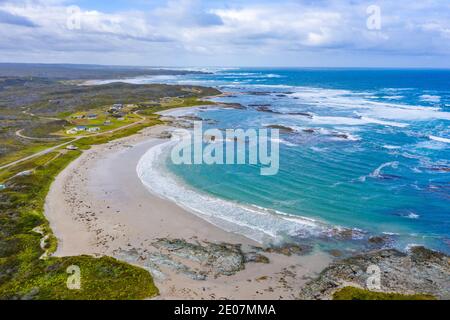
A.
pixel 237 106
pixel 265 109
pixel 191 118
pixel 281 95
pixel 182 124
pixel 282 129
pixel 421 271
pixel 377 240
pixel 259 93
pixel 340 135
pixel 306 114
pixel 346 234
pixel 259 105
pixel 440 169
pixel 309 130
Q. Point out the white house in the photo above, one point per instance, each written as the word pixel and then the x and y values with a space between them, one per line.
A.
pixel 93 129
pixel 76 130
pixel 71 147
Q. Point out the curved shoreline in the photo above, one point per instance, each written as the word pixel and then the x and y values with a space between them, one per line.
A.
pixel 259 224
pixel 98 206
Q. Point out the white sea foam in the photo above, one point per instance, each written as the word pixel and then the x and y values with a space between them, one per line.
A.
pixel 439 139
pixel 282 141
pixel 390 147
pixel 321 120
pixel 365 105
pixel 393 97
pixel 413 215
pixel 377 172
pixel 259 224
pixel 430 98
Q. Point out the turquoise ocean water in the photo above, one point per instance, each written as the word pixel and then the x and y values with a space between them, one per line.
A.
pixel 370 152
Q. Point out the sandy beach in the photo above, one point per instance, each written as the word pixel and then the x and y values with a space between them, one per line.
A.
pixel 98 206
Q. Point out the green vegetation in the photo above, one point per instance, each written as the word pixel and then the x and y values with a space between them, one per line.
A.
pixel 27 270
pixel 86 142
pixel 149 109
pixel 42 107
pixel 21 150
pixel 45 129
pixel 352 293
pixel 23 275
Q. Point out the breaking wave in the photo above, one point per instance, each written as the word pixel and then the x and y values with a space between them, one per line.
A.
pixel 260 224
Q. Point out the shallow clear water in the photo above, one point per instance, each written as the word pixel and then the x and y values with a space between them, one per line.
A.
pixel 377 159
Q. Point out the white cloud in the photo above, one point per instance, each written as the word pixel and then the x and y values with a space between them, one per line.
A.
pixel 218 30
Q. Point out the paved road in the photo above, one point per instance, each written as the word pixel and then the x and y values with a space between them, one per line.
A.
pixel 43 152
pixel 21 135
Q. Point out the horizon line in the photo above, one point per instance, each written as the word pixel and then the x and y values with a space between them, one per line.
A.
pixel 217 66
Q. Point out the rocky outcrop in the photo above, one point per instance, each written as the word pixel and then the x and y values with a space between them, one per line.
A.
pixel 289 249
pixel 217 259
pixel 237 106
pixel 420 271
pixel 282 129
pixel 196 260
pixel 305 114
pixel 263 108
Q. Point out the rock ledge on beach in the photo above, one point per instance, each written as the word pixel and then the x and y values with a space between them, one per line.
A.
pixel 420 271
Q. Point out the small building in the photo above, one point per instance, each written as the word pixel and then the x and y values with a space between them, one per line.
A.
pixel 116 107
pixel 119 115
pixel 107 123
pixel 76 130
pixel 121 119
pixel 71 147
pixel 93 129
pixel 92 116
pixel 2 187
pixel 25 173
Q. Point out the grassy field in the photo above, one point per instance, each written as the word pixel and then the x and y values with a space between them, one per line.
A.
pixel 27 270
pixel 352 293
pixel 24 150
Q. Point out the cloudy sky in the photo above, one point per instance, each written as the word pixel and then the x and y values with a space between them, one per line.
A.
pixel 320 33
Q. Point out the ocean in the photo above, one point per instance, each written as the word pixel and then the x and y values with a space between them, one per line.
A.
pixel 368 155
